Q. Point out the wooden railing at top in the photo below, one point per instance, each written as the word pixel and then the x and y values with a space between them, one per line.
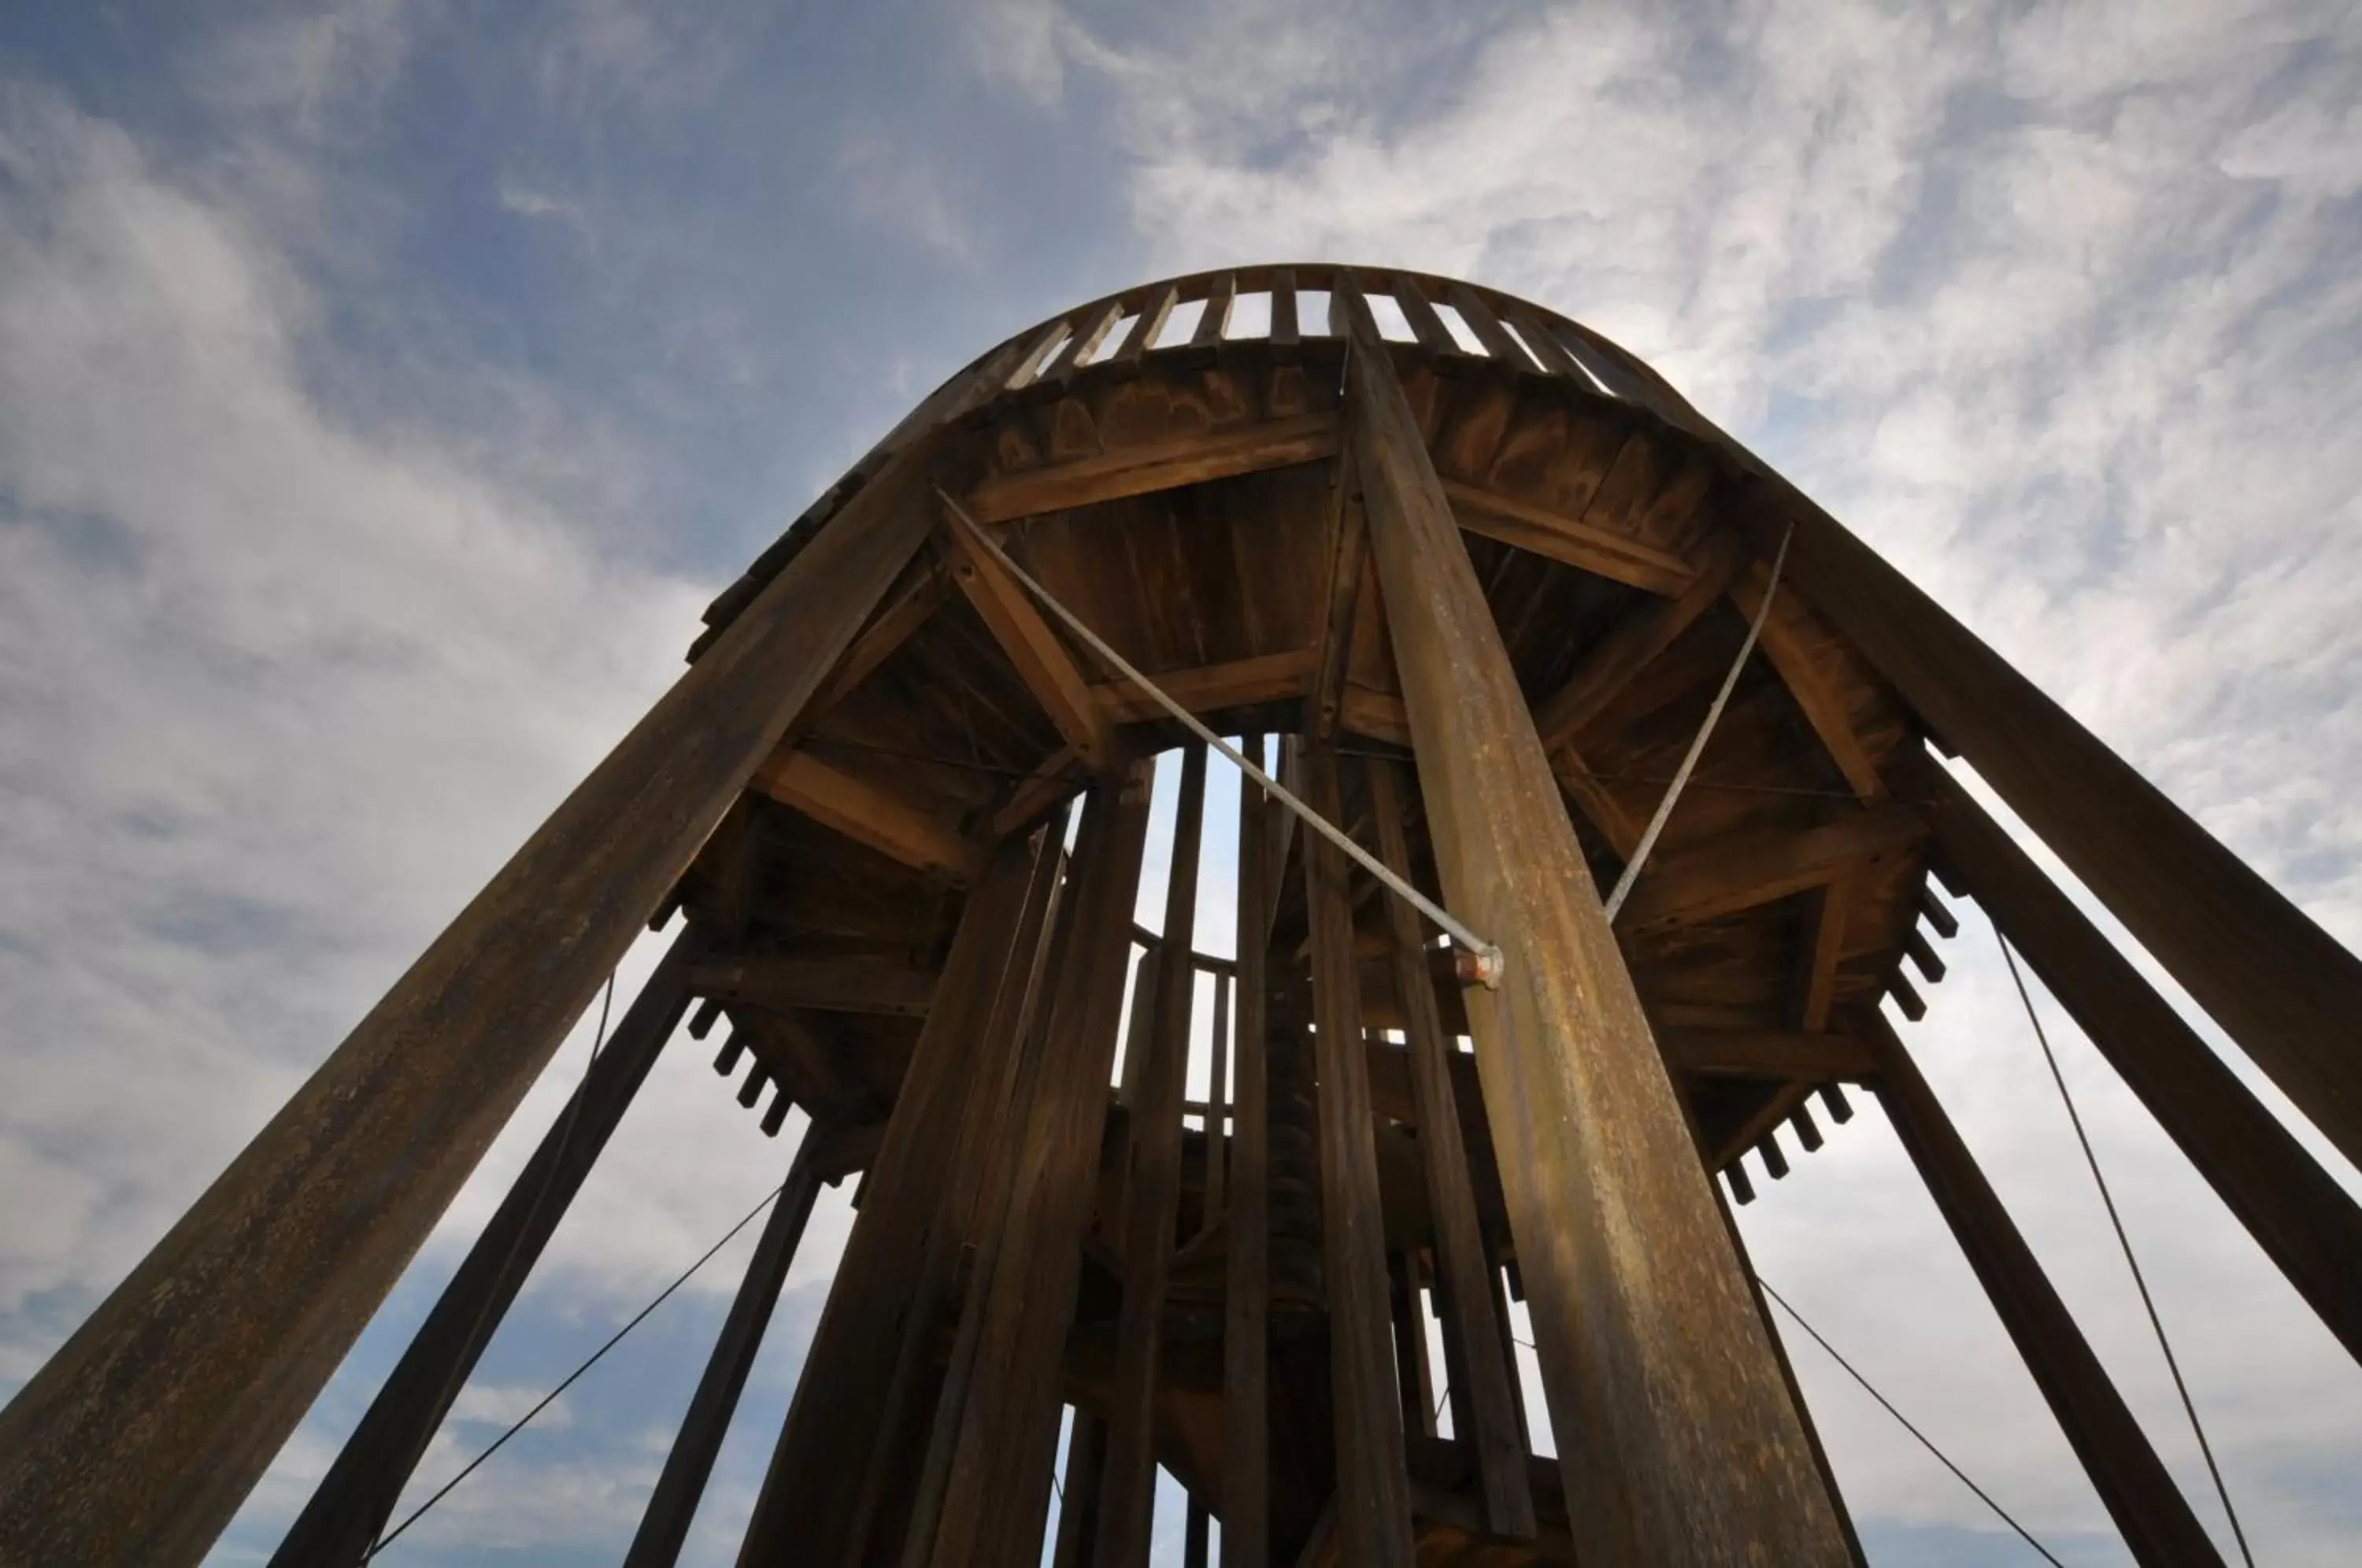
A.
pixel 1442 316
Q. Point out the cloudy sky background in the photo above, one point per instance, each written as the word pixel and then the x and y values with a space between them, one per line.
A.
pixel 385 386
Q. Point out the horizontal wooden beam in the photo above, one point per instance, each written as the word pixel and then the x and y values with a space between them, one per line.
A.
pixel 1745 871
pixel 1568 540
pixel 1162 465
pixel 1266 677
pixel 1764 1054
pixel 824 985
pixel 860 809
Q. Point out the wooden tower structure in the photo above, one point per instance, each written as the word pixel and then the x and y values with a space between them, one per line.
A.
pixel 1470 576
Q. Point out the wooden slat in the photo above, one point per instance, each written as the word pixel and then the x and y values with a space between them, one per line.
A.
pixel 1261 677
pixel 2295 1209
pixel 1789 640
pixel 1938 916
pixel 1752 868
pixel 1246 1287
pixel 1545 347
pixel 1685 1461
pixel 1568 540
pixel 1765 1052
pixel 2139 1494
pixel 824 984
pixel 1833 907
pixel 1041 658
pixel 1163 465
pixel 1460 1259
pixel 1217 1090
pixel 1220 299
pixel 1090 331
pixel 1628 648
pixel 861 810
pixel 1377 714
pixel 914 602
pixel 1334 652
pixel 1373 1482
pixel 1284 330
pixel 1488 327
pixel 1030 367
pixel 1598 805
pixel 1051 782
pixel 1152 322
pixel 1425 325
pixel 1158 1066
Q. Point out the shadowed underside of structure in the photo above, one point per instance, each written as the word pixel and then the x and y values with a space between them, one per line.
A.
pixel 1471 576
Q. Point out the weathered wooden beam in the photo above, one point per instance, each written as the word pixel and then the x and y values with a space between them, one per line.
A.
pixel 1246 1289
pixel 1765 1052
pixel 2296 1210
pixel 1747 870
pixel 663 1524
pixel 1628 648
pixel 1824 951
pixel 140 1438
pixel 1591 795
pixel 1261 677
pixel 1220 298
pixel 1039 657
pixel 999 1490
pixel 1154 466
pixel 355 1500
pixel 1053 782
pixel 2282 987
pixel 1616 556
pixel 1789 641
pixel 1414 1379
pixel 824 984
pixel 843 1395
pixel 1334 652
pixel 1493 1435
pixel 2150 1512
pixel 1153 1198
pixel 914 601
pixel 1217 1106
pixel 862 812
pixel 1488 327
pixel 1684 1461
pixel 1372 1481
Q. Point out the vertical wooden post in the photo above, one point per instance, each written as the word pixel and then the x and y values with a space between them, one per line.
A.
pixel 664 1525
pixel 999 1490
pixel 1078 1513
pixel 2286 990
pixel 1413 1376
pixel 355 1498
pixel 1372 1480
pixel 1246 1291
pixel 808 1507
pixel 1481 1359
pixel 1671 1456
pixel 1153 1197
pixel 2295 1209
pixel 2150 1511
pixel 1218 1098
pixel 138 1439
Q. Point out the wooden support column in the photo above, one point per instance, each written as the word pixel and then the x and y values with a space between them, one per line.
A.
pixel 1670 1457
pixel 999 1490
pixel 355 1499
pixel 2149 1510
pixel 807 1509
pixel 2296 1211
pixel 663 1526
pixel 2283 989
pixel 1246 1290
pixel 1413 1376
pixel 1217 1097
pixel 1481 1360
pixel 1153 1198
pixel 141 1436
pixel 1373 1479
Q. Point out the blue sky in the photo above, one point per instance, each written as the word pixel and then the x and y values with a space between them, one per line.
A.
pixel 385 386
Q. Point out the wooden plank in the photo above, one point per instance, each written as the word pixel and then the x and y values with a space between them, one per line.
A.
pixel 842 1397
pixel 1937 914
pixel 1246 1285
pixel 1488 327
pixel 1789 640
pixel 1152 322
pixel 2150 1512
pixel 1414 1377
pixel 355 1500
pixel 1425 325
pixel 1750 870
pixel 1160 465
pixel 1048 784
pixel 1235 683
pixel 1373 1482
pixel 1151 1199
pixel 1923 956
pixel 1333 654
pixel 1220 299
pixel 1090 331
pixel 1285 331
pixel 913 603
pixel 2295 1209
pixel 1217 1109
pixel 1544 345
pixel 1833 907
pixel 1377 714
pixel 1569 539
pixel 826 985
pixel 998 1492
pixel 1628 649
pixel 142 1435
pixel 689 1464
pixel 1759 1132
pixel 1686 1460
pixel 1591 797
pixel 1041 658
pixel 1483 1362
pixel 1079 1508
pixel 862 812
pixel 2282 987
pixel 1765 1052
